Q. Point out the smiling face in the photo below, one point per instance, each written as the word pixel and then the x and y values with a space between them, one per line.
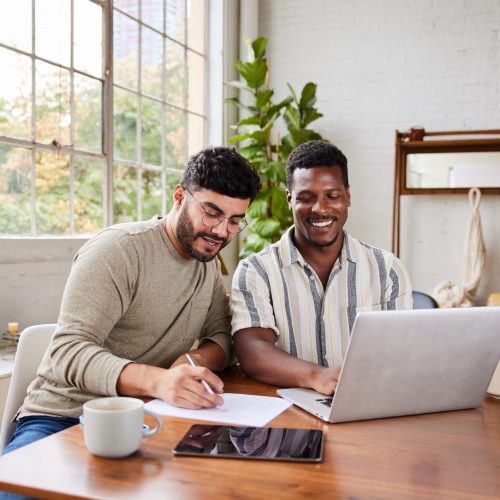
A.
pixel 194 238
pixel 319 202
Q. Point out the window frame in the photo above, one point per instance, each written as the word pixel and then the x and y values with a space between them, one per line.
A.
pixel 107 154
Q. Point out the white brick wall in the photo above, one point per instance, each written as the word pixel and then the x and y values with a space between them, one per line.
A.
pixel 32 277
pixel 382 65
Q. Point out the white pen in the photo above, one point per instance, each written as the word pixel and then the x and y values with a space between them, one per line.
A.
pixel 204 382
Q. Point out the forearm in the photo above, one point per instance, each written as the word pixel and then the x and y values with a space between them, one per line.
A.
pixel 264 361
pixel 139 380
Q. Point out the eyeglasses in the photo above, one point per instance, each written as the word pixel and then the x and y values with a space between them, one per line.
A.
pixel 210 219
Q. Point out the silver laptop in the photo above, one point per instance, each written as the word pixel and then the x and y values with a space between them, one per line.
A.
pixel 411 362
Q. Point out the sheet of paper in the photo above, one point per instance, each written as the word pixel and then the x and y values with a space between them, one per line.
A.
pixel 238 409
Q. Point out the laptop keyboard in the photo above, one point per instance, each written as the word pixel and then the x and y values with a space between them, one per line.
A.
pixel 326 401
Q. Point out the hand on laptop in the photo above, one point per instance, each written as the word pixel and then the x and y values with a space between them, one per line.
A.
pixel 325 380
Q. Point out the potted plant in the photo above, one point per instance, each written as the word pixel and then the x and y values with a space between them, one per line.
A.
pixel 262 146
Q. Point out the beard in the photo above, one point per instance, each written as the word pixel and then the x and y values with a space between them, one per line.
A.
pixel 186 236
pixel 324 244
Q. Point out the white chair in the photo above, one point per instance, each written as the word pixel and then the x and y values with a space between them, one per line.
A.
pixel 33 342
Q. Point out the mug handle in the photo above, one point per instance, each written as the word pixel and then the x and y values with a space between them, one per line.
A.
pixel 146 431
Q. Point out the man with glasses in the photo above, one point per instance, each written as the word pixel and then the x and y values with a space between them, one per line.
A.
pixel 139 296
pixel 294 304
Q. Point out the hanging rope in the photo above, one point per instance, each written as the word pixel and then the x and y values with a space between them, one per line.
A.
pixel 449 294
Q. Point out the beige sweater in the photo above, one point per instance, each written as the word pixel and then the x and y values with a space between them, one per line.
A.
pixel 129 297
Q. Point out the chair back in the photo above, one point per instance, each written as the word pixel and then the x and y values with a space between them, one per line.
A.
pixel 33 342
pixel 423 301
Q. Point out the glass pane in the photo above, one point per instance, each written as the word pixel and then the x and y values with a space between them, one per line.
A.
pixel 196 24
pixel 175 91
pixel 176 20
pixel 152 13
pixel 124 194
pixel 53 30
pixel 52 193
pixel 173 178
pixel 15 24
pixel 15 190
pixel 88 37
pixel 52 103
pixel 151 188
pixel 129 6
pixel 175 128
pixel 152 62
pixel 15 95
pixel 125 46
pixel 196 83
pixel 88 175
pixel 196 134
pixel 151 131
pixel 88 113
pixel 125 123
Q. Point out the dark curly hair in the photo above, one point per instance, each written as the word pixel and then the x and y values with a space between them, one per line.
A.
pixel 315 154
pixel 222 170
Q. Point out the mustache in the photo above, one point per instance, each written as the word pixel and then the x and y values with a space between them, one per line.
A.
pixel 211 237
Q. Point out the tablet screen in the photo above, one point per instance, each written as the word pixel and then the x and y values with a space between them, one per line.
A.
pixel 265 443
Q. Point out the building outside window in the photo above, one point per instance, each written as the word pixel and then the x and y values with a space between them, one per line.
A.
pixel 100 105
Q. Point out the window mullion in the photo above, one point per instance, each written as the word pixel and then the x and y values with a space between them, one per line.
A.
pixel 72 120
pixel 138 131
pixel 108 111
pixel 186 86
pixel 33 121
pixel 163 115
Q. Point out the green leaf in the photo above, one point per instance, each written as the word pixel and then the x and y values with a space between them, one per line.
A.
pixel 266 228
pixel 253 151
pixel 262 136
pixel 258 208
pixel 263 97
pixel 274 171
pixel 310 115
pixel 253 72
pixel 253 243
pixel 287 144
pixel 308 97
pixel 259 47
pixel 292 117
pixel 292 91
pixel 239 85
pixel 251 120
pixel 279 207
pixel 239 138
pixel 277 107
pixel 234 101
pixel 304 135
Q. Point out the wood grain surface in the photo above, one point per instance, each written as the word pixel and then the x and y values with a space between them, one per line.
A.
pixel 442 455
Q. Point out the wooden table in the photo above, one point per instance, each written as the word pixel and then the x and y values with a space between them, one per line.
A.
pixel 442 455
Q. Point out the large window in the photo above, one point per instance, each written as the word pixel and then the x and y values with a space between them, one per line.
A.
pixel 82 79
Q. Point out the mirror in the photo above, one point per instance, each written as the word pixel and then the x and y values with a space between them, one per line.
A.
pixel 443 163
pixel 453 170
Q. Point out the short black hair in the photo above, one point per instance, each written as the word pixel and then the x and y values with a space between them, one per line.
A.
pixel 315 154
pixel 222 170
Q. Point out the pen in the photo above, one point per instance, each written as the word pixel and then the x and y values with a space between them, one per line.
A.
pixel 204 382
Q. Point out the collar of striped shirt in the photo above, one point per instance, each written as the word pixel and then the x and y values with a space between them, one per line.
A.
pixel 291 255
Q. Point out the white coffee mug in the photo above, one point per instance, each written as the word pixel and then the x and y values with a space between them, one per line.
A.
pixel 113 427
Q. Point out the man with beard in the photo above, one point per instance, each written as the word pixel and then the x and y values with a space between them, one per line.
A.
pixel 138 297
pixel 294 303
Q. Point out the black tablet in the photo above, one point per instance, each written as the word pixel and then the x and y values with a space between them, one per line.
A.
pixel 261 443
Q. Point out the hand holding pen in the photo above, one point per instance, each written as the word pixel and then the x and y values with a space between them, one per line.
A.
pixel 203 382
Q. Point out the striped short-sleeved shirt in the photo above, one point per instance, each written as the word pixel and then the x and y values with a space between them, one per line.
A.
pixel 277 289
